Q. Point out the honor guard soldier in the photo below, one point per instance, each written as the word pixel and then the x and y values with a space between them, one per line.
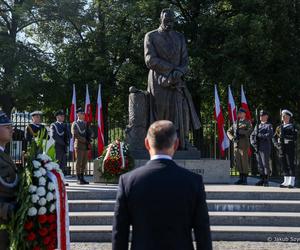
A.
pixel 239 133
pixel 284 140
pixel 35 127
pixel 8 180
pixel 60 135
pixel 82 139
pixel 261 140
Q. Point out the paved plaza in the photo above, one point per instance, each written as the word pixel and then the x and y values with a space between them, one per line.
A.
pixel 221 245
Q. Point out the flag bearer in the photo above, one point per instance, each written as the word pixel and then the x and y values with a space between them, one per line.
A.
pixel 239 133
pixel 82 138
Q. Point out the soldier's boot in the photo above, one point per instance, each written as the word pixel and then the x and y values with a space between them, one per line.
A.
pixel 84 182
pixel 266 181
pixel 291 183
pixel 261 181
pixel 245 179
pixel 240 180
pixel 284 184
pixel 78 179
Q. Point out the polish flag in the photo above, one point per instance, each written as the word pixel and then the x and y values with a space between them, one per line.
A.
pixel 231 106
pixel 73 116
pixel 223 139
pixel 99 118
pixel 244 104
pixel 88 108
pixel 73 106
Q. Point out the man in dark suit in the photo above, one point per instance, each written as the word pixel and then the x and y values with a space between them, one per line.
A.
pixel 161 201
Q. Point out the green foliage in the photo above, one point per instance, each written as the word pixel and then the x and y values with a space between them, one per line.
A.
pixel 250 42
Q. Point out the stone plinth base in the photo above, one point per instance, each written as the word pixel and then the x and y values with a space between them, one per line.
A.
pixel 180 154
pixel 213 171
pixel 97 175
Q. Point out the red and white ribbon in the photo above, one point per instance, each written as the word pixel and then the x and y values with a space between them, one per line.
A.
pixel 62 210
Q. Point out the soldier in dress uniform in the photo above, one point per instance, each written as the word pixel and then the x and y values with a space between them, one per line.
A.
pixel 82 139
pixel 285 139
pixel 261 140
pixel 60 134
pixel 35 127
pixel 239 133
pixel 8 180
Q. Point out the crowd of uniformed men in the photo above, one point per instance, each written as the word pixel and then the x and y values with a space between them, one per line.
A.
pixel 241 133
pixel 261 138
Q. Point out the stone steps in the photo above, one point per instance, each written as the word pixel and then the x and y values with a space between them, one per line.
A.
pixel 216 218
pixel 213 205
pixel 213 192
pixel 237 213
pixel 88 233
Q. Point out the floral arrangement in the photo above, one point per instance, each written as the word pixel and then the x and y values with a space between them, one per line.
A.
pixel 40 224
pixel 36 224
pixel 115 160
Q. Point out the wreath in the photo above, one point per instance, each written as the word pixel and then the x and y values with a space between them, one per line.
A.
pixel 41 220
pixel 115 160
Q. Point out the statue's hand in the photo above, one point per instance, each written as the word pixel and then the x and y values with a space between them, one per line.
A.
pixel 177 74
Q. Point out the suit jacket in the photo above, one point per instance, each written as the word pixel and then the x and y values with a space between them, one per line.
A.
pixel 163 203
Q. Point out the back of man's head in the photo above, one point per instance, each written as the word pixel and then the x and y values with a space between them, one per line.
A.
pixel 162 135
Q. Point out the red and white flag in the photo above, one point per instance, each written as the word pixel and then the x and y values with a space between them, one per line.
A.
pixel 244 104
pixel 99 118
pixel 88 108
pixel 231 106
pixel 73 106
pixel 223 139
pixel 73 116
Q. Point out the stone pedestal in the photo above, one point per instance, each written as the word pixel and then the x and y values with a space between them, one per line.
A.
pixel 97 178
pixel 138 109
pixel 213 171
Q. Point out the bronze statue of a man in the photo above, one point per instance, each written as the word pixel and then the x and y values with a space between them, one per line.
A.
pixel 167 58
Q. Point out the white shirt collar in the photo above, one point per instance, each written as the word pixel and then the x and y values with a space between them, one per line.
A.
pixel 158 157
pixel 1 149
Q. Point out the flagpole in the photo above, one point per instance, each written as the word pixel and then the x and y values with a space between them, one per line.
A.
pixel 215 142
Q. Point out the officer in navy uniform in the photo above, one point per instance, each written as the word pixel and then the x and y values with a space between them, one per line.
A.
pixel 8 180
pixel 261 140
pixel 60 134
pixel 35 127
pixel 285 139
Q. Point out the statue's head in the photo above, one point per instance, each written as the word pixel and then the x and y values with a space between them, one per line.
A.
pixel 167 19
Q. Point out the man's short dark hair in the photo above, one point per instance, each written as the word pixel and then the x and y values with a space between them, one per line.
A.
pixel 162 134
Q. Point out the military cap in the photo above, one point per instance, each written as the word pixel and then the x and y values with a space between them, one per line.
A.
pixel 36 113
pixel 242 110
pixel 79 110
pixel 59 112
pixel 287 112
pixel 263 112
pixel 4 119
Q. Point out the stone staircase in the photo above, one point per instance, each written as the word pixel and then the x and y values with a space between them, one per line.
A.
pixel 237 213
